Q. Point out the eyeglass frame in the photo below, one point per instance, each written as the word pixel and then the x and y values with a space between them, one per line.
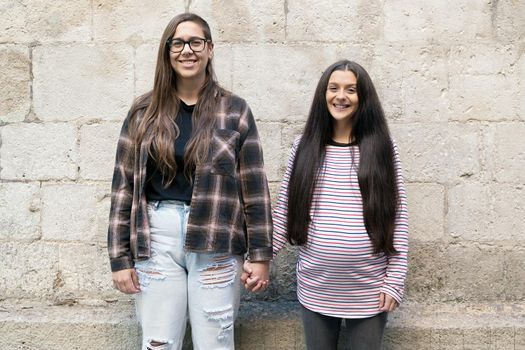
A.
pixel 186 42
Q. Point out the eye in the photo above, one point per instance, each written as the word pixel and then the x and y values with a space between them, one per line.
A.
pixel 177 44
pixel 351 90
pixel 196 42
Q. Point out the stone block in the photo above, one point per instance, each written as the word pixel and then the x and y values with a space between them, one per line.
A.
pixel 436 21
pixel 446 339
pixel 90 80
pixel 44 21
pixel 425 95
pixel 509 20
pixel 426 207
pixel 483 58
pixel 241 20
pixel 489 213
pixel 476 339
pixel 290 89
pixel 146 59
pixel 70 211
pixel 438 152
pixel 19 211
pixel 503 339
pixel 103 206
pixel 506 152
pixel 356 21
pixel 492 97
pixel 270 136
pixel 515 274
pixel 385 70
pixel 28 270
pixel 469 212
pixel 98 143
pixel 85 272
pixel 445 273
pixel 38 151
pixel 15 78
pixel 130 20
pixel 522 84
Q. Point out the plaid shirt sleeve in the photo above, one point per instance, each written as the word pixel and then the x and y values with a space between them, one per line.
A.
pixel 254 188
pixel 121 200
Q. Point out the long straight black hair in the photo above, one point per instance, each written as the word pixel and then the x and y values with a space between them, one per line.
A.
pixel 376 174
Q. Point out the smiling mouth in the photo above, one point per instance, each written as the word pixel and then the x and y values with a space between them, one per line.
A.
pixel 340 106
pixel 188 62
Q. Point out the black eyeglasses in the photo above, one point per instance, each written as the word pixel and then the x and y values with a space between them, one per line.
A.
pixel 177 45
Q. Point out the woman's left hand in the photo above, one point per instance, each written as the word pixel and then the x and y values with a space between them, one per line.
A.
pixel 387 303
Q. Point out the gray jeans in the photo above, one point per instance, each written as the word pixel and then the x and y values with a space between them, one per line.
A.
pixel 322 332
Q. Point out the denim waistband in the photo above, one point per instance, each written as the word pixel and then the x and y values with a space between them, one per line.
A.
pixel 169 204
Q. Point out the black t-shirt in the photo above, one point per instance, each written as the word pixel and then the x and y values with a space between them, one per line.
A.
pixel 180 189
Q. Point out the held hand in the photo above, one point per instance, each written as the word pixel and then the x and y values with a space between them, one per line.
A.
pixel 126 281
pixel 387 303
pixel 256 275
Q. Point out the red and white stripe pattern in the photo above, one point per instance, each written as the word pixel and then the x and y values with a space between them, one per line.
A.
pixel 337 273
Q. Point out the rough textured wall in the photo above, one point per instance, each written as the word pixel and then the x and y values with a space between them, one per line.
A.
pixel 451 75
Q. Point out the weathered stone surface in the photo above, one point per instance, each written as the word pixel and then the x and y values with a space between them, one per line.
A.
pixel 146 59
pixel 356 21
pixel 270 136
pixel 19 211
pixel 481 212
pixel 38 151
pixel 439 273
pixel 89 80
pixel 515 273
pixel 28 270
pixel 440 21
pixel 42 21
pixel 426 204
pixel 424 86
pixel 98 143
pixel 130 20
pixel 508 21
pixel 487 58
pixel 506 152
pixel 271 326
pixel 69 212
pixel 241 20
pixel 15 80
pixel 290 76
pixel 84 272
pixel 438 152
pixel 470 98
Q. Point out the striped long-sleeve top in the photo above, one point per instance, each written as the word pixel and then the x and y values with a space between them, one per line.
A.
pixel 337 272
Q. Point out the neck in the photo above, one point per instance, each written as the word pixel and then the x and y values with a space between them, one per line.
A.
pixel 188 89
pixel 342 132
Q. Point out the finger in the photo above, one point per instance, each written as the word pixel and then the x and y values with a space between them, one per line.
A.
pixel 244 277
pixel 258 287
pixel 252 281
pixel 381 300
pixel 135 280
pixel 393 306
pixel 129 288
pixel 247 268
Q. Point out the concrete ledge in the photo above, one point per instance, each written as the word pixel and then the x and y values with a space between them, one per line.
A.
pixel 264 325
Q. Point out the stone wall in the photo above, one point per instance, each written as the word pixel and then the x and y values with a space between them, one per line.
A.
pixel 451 76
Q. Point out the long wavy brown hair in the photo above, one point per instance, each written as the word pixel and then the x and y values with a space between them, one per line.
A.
pixel 154 114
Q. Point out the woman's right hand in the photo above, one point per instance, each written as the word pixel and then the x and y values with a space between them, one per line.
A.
pixel 126 281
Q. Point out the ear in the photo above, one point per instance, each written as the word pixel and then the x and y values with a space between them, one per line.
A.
pixel 210 49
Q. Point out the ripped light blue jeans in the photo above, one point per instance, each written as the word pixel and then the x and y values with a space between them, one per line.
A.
pixel 176 285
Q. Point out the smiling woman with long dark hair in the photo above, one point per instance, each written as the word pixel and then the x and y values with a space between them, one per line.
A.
pixel 342 200
pixel 189 197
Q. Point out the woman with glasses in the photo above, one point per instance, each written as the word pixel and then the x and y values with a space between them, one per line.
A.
pixel 189 197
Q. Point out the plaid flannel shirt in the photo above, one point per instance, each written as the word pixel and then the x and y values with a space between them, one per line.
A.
pixel 230 207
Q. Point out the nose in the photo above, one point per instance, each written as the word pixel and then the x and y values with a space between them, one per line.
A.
pixel 186 49
pixel 340 95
